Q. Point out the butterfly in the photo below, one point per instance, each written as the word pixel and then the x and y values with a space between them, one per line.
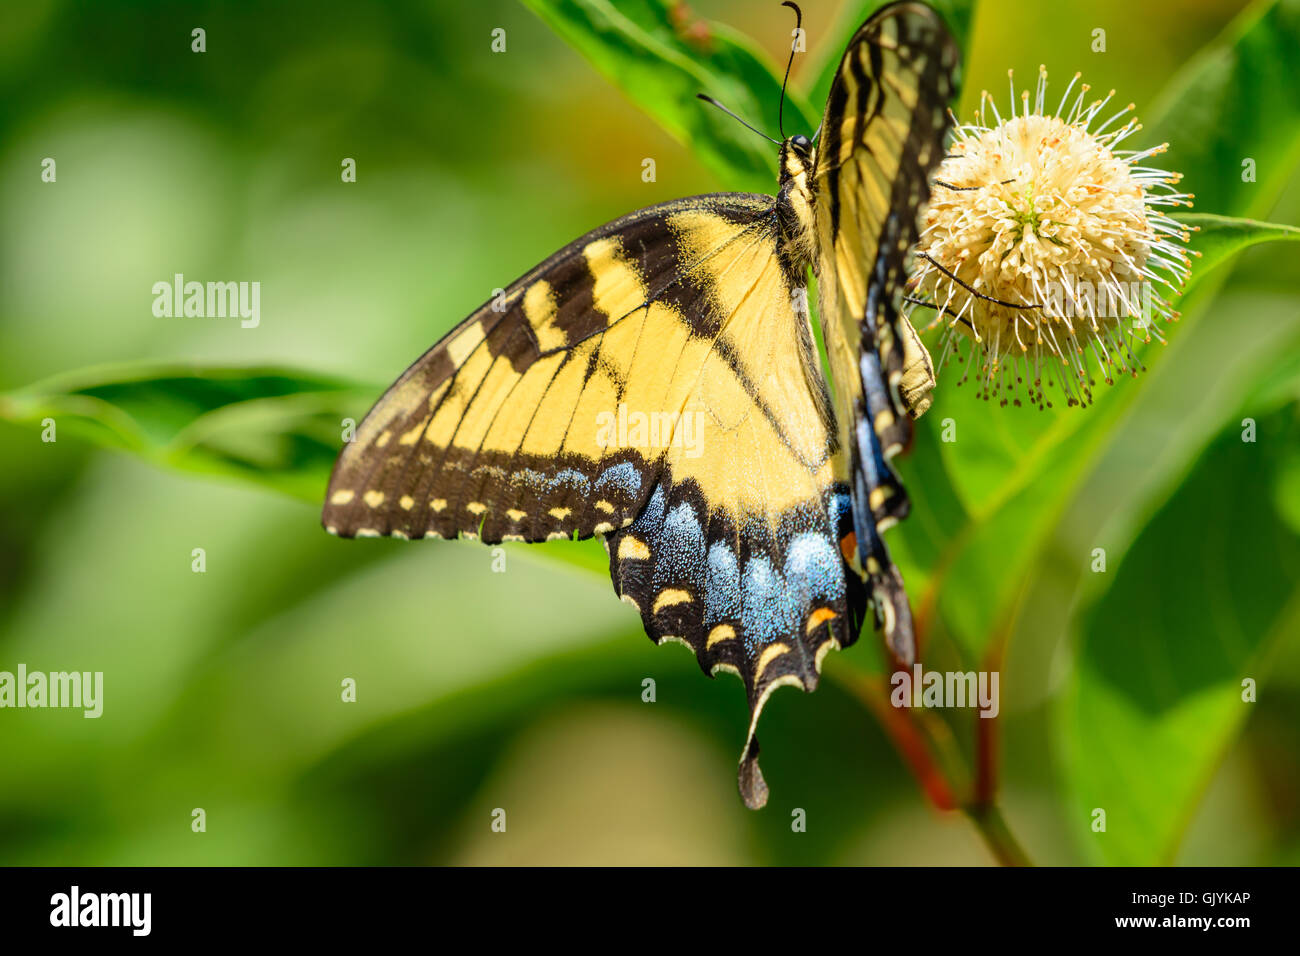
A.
pixel 657 383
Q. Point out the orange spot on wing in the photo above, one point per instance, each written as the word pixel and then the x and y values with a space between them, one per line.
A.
pixel 817 617
pixel 849 546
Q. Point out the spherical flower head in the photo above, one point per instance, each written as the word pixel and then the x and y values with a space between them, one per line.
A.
pixel 1044 249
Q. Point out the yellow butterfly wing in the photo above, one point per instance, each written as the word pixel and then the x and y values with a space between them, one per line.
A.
pixel 654 382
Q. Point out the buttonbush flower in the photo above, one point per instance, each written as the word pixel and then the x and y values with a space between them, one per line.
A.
pixel 1045 250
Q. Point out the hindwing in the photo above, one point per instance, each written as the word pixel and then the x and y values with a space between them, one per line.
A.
pixel 881 138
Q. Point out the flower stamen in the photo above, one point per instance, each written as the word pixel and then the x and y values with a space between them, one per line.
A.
pixel 1043 240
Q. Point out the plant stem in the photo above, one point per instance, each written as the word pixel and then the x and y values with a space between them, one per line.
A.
pixel 993 828
pixel 908 736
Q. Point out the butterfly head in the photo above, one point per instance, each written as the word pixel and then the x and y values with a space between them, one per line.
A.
pixel 796 157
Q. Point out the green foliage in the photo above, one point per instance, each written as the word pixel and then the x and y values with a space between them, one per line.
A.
pixel 1144 746
pixel 274 427
pixel 1157 694
pixel 1237 101
pixel 1201 529
pixel 662 63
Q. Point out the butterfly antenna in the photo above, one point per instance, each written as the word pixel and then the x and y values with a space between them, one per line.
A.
pixel 798 25
pixel 711 100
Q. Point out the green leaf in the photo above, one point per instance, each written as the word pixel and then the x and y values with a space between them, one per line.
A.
pixel 1236 101
pixel 1223 236
pixel 273 427
pixel 1202 601
pixel 661 60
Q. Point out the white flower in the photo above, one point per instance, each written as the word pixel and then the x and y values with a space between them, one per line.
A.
pixel 1045 249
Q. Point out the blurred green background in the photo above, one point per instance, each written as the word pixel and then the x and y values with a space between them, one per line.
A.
pixel 522 690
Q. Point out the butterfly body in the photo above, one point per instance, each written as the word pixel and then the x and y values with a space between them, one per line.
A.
pixel 794 204
pixel 657 383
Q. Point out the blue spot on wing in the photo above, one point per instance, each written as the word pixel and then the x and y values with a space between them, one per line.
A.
pixel 544 485
pixel 872 459
pixel 770 609
pixel 570 477
pixel 813 569
pixel 839 508
pixel 873 383
pixel 651 519
pixel 722 585
pixel 623 476
pixel 680 554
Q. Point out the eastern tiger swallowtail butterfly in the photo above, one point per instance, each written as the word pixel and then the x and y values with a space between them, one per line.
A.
pixel 757 542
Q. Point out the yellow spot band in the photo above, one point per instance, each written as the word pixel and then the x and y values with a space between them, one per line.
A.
pixel 671 596
pixel 723 632
pixel 631 547
pixel 769 655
